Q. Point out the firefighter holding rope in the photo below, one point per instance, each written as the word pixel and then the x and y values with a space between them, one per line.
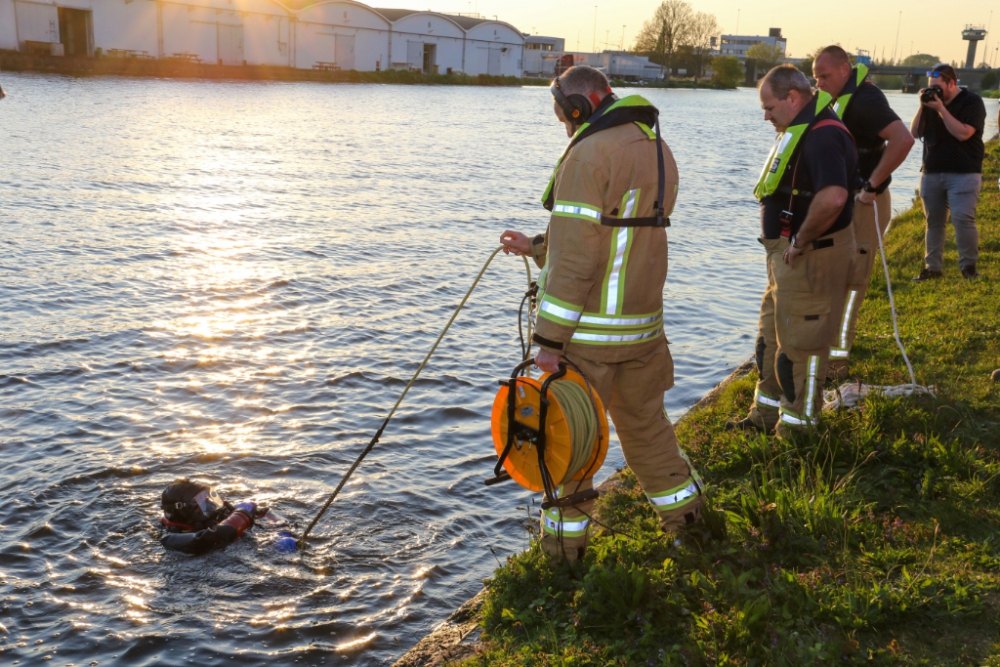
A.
pixel 604 264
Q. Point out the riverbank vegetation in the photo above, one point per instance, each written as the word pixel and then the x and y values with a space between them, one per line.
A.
pixel 873 541
pixel 176 68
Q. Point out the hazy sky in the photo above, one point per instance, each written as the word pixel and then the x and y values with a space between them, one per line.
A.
pixel 931 26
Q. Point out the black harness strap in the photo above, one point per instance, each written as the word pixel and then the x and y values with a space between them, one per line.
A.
pixel 658 220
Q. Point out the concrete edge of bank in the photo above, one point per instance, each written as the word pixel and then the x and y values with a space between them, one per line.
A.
pixel 454 638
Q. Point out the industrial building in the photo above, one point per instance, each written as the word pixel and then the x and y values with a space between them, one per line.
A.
pixel 543 55
pixel 305 34
pixel 737 45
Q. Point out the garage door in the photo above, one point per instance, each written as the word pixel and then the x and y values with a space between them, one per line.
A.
pixel 37 23
pixel 230 44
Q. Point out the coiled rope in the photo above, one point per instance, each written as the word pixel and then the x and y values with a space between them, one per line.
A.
pixel 579 412
pixel 371 445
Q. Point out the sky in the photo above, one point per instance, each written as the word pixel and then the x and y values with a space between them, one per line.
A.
pixel 925 26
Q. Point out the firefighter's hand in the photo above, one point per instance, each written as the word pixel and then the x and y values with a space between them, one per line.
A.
pixel 515 242
pixel 791 252
pixel 866 198
pixel 547 361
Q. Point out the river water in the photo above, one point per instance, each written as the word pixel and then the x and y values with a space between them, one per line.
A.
pixel 233 282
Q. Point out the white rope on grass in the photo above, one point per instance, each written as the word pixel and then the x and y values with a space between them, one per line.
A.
pixel 892 302
pixel 850 394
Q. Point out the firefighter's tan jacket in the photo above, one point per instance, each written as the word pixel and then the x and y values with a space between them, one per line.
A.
pixel 601 288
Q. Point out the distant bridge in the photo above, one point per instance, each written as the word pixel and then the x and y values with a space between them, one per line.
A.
pixel 915 78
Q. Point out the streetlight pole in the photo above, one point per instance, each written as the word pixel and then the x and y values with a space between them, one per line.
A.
pixel 898 23
pixel 621 47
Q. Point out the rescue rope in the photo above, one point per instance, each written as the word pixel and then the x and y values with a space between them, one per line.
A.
pixel 892 302
pixel 378 434
pixel 850 394
pixel 579 412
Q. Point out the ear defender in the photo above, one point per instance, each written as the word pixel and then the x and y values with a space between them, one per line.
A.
pixel 576 108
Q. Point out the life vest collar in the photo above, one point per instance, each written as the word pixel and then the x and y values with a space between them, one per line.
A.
pixel 786 145
pixel 631 109
pixel 858 76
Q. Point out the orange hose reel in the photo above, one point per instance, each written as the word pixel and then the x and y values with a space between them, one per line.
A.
pixel 520 457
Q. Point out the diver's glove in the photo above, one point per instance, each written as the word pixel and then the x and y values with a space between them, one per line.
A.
pixel 248 508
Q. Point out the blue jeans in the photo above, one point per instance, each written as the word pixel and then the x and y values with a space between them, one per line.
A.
pixel 958 193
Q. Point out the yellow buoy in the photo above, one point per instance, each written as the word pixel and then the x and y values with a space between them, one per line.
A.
pixel 576 439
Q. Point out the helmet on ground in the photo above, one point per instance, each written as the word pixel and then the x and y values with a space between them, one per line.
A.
pixel 196 505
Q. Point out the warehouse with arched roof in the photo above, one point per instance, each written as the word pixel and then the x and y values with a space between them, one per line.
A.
pixel 306 34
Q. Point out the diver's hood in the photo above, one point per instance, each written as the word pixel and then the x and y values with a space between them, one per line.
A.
pixel 193 504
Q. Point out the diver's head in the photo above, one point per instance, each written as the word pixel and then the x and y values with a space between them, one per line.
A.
pixel 193 504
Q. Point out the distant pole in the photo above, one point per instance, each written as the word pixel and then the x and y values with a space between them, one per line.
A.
pixel 737 22
pixel 621 47
pixel 898 23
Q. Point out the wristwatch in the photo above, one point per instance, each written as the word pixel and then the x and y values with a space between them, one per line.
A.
pixel 794 244
pixel 868 187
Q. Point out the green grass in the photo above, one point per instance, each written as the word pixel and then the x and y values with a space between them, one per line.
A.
pixel 874 541
pixel 993 94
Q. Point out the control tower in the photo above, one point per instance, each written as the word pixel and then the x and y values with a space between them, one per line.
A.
pixel 973 35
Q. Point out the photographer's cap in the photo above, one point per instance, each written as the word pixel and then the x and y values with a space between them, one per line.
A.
pixel 943 70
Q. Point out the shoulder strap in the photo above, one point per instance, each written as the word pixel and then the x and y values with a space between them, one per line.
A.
pixel 658 219
pixel 830 122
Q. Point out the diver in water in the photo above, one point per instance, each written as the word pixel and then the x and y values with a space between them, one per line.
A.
pixel 197 520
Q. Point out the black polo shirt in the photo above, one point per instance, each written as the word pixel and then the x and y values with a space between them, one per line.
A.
pixel 868 113
pixel 943 152
pixel 826 157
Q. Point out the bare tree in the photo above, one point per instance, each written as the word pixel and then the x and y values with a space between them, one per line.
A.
pixel 703 28
pixel 668 29
pixel 766 55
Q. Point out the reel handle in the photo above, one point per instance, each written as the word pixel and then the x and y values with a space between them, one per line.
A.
pixel 502 477
pixel 572 499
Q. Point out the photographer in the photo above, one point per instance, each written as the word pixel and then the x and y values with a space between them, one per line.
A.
pixel 950 121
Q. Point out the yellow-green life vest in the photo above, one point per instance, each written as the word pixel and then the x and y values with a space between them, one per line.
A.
pixel 785 145
pixel 858 76
pixel 632 109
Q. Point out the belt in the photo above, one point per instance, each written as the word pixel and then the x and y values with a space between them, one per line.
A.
pixel 871 151
pixel 818 244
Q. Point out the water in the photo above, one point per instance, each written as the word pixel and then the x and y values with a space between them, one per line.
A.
pixel 233 281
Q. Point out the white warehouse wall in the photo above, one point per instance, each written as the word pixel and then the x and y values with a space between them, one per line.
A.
pixel 500 41
pixel 319 28
pixel 427 28
pixel 119 26
pixel 267 40
pixel 347 33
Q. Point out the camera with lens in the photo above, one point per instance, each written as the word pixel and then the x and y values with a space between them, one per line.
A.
pixel 932 92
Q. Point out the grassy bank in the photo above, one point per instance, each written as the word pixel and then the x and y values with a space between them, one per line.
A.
pixel 993 94
pixel 875 541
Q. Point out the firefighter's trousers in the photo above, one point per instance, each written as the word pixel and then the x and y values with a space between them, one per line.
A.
pixel 866 240
pixel 633 393
pixel 798 318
